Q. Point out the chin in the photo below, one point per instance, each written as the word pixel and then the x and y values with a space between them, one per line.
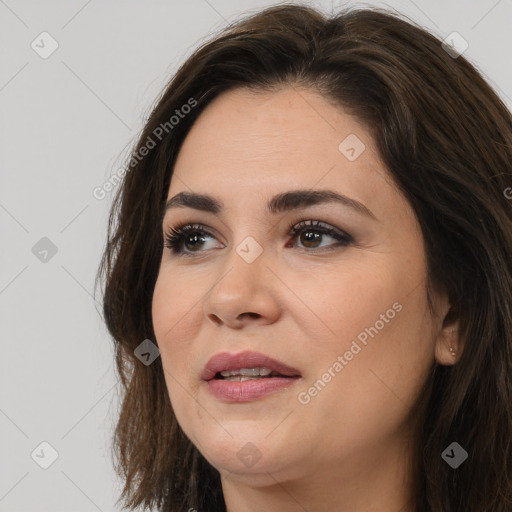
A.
pixel 246 453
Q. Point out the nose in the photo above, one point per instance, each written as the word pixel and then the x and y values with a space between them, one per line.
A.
pixel 243 294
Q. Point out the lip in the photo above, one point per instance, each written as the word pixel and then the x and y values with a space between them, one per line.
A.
pixel 248 390
pixel 247 359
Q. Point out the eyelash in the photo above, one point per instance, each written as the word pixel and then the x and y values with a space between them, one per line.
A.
pixel 175 237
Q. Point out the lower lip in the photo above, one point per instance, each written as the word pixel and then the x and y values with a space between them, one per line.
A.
pixel 248 390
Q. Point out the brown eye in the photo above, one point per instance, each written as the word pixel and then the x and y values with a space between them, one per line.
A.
pixel 310 238
pixel 193 241
pixel 311 234
pixel 188 239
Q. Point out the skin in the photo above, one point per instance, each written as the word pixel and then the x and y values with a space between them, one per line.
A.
pixel 348 448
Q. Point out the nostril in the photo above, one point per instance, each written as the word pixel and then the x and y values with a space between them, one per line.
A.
pixel 250 314
pixel 215 319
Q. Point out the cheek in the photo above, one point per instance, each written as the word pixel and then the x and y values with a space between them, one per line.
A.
pixel 378 324
pixel 380 362
pixel 347 300
pixel 177 299
pixel 174 308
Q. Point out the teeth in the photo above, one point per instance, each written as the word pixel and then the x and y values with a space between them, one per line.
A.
pixel 239 378
pixel 247 372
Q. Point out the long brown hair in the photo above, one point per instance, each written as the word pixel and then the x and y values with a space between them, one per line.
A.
pixel 446 139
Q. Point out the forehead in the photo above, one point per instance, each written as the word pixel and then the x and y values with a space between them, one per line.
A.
pixel 284 126
pixel 260 143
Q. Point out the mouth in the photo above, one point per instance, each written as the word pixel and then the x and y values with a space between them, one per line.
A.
pixel 246 366
pixel 247 376
pixel 244 374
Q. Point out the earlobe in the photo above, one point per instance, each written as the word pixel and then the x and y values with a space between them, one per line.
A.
pixel 447 350
pixel 448 347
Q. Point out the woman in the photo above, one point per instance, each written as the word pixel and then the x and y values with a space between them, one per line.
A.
pixel 315 232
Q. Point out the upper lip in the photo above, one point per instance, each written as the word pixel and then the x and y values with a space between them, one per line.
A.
pixel 247 359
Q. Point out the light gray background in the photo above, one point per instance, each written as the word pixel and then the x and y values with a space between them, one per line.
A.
pixel 66 123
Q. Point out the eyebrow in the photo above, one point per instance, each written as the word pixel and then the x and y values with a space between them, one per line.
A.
pixel 292 200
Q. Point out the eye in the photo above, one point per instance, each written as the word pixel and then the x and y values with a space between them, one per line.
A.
pixel 311 233
pixel 191 237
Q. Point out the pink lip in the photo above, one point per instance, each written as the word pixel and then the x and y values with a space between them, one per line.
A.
pixel 248 390
pixel 226 361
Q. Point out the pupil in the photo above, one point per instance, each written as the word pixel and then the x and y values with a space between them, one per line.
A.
pixel 194 239
pixel 309 237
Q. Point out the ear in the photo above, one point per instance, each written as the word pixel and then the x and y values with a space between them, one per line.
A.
pixel 448 346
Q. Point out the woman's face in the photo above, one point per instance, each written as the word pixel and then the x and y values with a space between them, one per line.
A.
pixel 345 310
